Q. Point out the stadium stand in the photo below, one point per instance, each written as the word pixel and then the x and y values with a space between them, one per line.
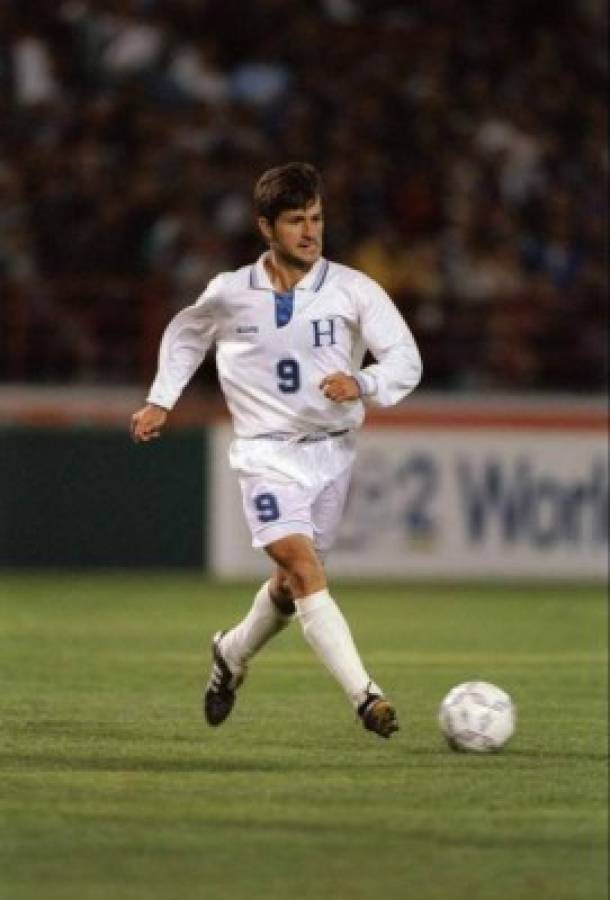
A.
pixel 462 144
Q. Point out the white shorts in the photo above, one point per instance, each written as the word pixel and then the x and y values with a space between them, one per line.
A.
pixel 291 487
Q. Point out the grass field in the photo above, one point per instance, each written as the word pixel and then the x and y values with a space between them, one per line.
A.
pixel 112 787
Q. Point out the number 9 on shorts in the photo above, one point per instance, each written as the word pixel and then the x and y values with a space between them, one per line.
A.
pixel 267 507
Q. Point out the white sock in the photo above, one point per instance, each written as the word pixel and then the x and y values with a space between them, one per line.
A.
pixel 262 621
pixel 327 632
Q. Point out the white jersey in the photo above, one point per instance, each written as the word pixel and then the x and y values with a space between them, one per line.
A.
pixel 274 349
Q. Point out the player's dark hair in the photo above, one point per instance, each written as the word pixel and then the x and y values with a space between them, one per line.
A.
pixel 292 186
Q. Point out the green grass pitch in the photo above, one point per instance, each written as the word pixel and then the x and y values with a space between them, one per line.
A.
pixel 112 787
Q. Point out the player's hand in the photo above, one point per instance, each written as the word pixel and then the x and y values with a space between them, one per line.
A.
pixel 147 423
pixel 340 387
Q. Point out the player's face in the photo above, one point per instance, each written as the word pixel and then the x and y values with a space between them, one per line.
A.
pixel 296 235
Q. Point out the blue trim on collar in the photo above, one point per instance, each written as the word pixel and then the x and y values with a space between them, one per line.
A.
pixel 322 277
pixel 284 307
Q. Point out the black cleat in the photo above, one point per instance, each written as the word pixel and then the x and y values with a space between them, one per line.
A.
pixel 378 715
pixel 219 696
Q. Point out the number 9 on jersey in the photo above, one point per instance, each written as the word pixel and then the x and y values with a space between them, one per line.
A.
pixel 288 376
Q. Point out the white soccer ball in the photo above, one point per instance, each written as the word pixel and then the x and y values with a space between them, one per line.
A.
pixel 477 716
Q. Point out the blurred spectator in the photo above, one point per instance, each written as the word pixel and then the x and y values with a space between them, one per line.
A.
pixel 462 143
pixel 32 64
pixel 193 72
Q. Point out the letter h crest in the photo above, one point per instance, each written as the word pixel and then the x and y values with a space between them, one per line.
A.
pixel 323 336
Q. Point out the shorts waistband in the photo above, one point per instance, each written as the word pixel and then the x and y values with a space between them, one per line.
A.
pixel 306 439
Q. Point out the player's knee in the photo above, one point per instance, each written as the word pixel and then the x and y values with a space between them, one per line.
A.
pixel 297 558
pixel 281 593
pixel 306 576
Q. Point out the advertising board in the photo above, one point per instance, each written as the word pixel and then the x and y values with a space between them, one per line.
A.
pixel 462 502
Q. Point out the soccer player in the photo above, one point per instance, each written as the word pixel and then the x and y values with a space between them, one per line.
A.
pixel 290 333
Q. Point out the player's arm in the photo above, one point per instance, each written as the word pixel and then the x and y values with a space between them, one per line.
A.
pixel 398 367
pixel 184 344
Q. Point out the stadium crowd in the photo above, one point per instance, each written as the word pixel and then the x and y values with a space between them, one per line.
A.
pixel 462 144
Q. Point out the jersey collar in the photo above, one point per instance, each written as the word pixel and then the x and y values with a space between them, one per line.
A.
pixel 312 281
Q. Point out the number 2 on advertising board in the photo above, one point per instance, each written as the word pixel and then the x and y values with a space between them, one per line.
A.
pixel 420 476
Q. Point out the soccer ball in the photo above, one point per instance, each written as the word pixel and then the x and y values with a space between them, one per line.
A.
pixel 477 716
